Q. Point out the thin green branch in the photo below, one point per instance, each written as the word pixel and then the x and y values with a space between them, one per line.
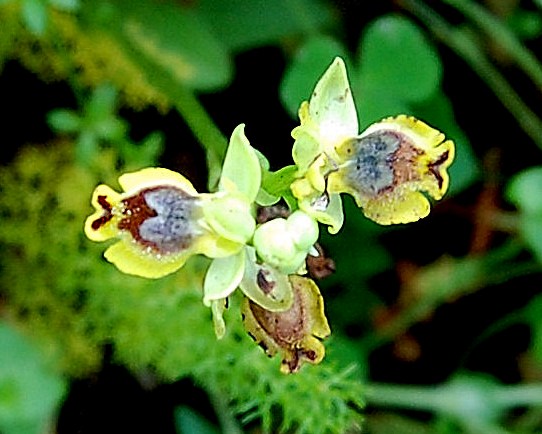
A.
pixel 189 107
pixel 466 48
pixel 441 398
pixel 449 279
pixel 228 423
pixel 203 127
pixel 503 36
pixel 521 395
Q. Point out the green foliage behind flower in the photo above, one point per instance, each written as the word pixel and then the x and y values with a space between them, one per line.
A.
pixel 75 303
pixel 160 55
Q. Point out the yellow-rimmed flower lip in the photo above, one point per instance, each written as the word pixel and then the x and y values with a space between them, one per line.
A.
pixel 158 221
pixel 295 333
pixel 388 166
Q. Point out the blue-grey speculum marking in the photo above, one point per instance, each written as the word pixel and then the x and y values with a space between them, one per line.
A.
pixel 173 227
pixel 370 171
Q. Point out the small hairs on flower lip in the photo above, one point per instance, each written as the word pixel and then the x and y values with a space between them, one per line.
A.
pixel 387 167
pixel 158 222
pixel 158 218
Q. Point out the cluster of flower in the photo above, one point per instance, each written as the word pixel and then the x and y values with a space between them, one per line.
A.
pixel 160 220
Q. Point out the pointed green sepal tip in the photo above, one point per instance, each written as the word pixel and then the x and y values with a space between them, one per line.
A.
pixel 241 169
pixel 223 277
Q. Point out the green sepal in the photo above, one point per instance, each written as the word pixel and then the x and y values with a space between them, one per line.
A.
pixel 277 183
pixel 241 166
pixel 331 108
pixel 223 277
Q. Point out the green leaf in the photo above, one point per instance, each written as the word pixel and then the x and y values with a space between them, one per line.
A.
pixel 223 277
pixel 530 227
pixel 102 103
pixel 177 40
pixel 376 103
pixel 29 390
pixel 524 190
pixel 65 5
pixel 64 121
pixel 187 421
pixel 243 24
pixel 241 166
pixel 34 15
pixel 305 70
pixel 395 55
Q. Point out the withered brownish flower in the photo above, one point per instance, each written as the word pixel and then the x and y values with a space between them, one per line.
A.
pixel 295 333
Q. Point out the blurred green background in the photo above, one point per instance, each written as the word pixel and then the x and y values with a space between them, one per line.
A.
pixel 436 326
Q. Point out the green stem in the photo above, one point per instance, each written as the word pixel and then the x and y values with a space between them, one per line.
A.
pixel 406 397
pixel 456 277
pixel 439 398
pixel 205 130
pixel 228 423
pixel 503 36
pixel 521 395
pixel 188 106
pixel 465 47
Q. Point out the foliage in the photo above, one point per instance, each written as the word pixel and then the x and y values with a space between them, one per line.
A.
pixel 30 390
pixel 474 265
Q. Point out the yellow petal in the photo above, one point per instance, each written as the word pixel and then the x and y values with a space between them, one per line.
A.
pixel 386 167
pixel 317 171
pixel 101 225
pixel 153 177
pixel 406 207
pixel 130 259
